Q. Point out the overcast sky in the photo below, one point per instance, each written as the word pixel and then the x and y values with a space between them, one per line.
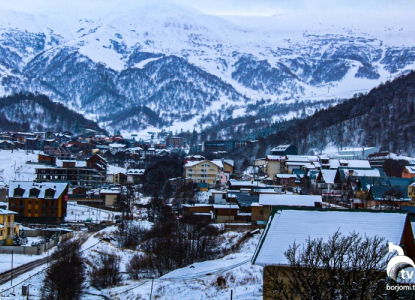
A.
pixel 236 7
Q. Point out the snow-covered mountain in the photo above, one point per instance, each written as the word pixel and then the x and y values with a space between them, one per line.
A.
pixel 162 64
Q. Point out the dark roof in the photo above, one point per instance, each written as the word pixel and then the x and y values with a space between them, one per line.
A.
pixel 245 199
pixel 378 192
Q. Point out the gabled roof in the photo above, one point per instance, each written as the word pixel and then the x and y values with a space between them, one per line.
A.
pixel 328 175
pixel 287 226
pixel 410 169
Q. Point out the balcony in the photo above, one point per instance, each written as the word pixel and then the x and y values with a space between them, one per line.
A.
pixel 11 224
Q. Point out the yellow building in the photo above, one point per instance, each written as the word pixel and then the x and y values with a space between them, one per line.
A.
pixel 8 228
pixel 411 194
pixel 204 171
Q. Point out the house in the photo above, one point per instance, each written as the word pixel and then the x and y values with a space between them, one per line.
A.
pixel 110 197
pixel 284 150
pixel 287 226
pixel 328 184
pixel 227 165
pixel 6 145
pixel 46 159
pixel 388 196
pixel 225 212
pixel 134 175
pixel 38 202
pixel 201 211
pixel 204 171
pixel 275 164
pixel 8 227
pixel 245 184
pixel 408 172
pixel 269 201
pixel 286 179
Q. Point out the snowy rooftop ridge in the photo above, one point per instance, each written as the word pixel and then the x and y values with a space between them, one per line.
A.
pixel 289 200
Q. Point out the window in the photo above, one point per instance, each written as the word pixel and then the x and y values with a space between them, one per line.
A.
pixel 203 170
pixel 36 202
pixel 34 192
pixel 190 175
pixel 205 165
pixel 30 202
pixel 35 211
pixel 190 170
pixel 29 211
pixel 18 192
pixel 203 175
pixel 261 212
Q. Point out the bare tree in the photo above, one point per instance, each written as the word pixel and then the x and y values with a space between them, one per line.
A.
pixel 344 267
pixel 105 270
pixel 65 277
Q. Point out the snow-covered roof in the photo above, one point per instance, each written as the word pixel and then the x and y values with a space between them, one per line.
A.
pixel 136 171
pixel 286 175
pixel 116 145
pixel 410 169
pixel 328 175
pixel 354 163
pixel 275 158
pixel 334 163
pixel 363 172
pixel 225 206
pixel 7 212
pixel 110 192
pixel 280 148
pixel 297 225
pixel 246 183
pixel 288 200
pixel 58 187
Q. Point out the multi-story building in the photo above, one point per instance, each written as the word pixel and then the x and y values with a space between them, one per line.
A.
pixel 8 227
pixel 204 171
pixel 38 202
pixel 77 176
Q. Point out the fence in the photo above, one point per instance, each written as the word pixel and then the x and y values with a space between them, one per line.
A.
pixel 38 249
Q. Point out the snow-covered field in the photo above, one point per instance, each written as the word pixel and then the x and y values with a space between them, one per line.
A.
pixel 13 165
pixel 76 212
pixel 198 281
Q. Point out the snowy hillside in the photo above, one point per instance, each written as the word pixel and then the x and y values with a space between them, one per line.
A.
pixel 134 66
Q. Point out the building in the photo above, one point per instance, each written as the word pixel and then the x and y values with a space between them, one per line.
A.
pixel 8 227
pixel 76 176
pixel 204 171
pixel 269 201
pixel 174 141
pixel 282 150
pixel 47 159
pixel 228 145
pixel 275 164
pixel 110 197
pixel 408 172
pixel 38 202
pixel 297 225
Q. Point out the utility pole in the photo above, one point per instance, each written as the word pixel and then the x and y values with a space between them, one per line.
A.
pixel 11 274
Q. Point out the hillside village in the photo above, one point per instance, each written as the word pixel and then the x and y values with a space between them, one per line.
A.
pixel 275 191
